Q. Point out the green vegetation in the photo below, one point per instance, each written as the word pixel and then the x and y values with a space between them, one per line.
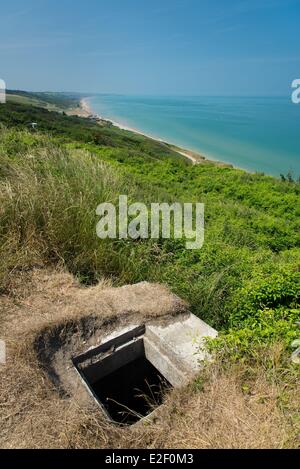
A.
pixel 245 279
pixel 58 100
pixel 72 128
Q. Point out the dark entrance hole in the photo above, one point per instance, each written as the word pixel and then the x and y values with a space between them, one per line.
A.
pixel 125 383
pixel 132 391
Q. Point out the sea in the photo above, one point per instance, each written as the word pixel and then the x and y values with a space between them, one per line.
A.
pixel 258 134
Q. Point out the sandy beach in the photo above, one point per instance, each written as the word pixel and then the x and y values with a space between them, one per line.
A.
pixel 83 110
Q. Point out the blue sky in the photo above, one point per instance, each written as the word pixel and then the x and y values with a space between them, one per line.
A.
pixel 200 47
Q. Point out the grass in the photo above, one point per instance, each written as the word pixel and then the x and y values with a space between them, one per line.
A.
pixel 49 100
pixel 244 281
pixel 34 102
pixel 49 188
pixel 229 405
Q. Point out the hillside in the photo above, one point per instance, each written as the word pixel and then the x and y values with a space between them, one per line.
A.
pixel 244 281
pixel 50 101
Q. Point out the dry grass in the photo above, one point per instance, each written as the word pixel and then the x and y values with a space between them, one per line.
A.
pixel 237 407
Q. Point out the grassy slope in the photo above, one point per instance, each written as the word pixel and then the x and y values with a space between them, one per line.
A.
pixel 244 281
pixel 56 101
pixel 252 221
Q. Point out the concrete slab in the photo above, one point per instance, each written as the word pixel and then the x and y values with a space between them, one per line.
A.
pixel 173 348
pixel 184 338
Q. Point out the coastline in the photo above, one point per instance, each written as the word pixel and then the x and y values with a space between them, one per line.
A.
pixel 82 110
pixel 85 110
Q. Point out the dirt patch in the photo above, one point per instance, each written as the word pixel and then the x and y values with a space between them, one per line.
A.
pixel 48 319
pixel 48 316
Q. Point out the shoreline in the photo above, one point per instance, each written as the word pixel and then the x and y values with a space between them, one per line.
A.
pixel 82 110
pixel 85 110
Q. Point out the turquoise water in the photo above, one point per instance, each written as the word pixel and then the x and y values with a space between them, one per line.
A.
pixel 257 134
